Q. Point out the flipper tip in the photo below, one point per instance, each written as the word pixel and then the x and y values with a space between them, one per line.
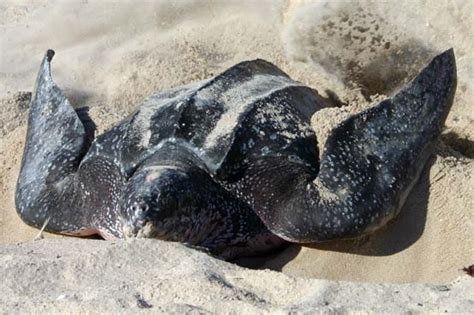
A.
pixel 49 55
pixel 447 54
pixel 439 75
pixel 446 57
pixel 449 51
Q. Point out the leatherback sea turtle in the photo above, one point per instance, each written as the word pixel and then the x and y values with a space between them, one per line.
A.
pixel 231 163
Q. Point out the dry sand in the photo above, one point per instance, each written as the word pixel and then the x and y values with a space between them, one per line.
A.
pixel 112 54
pixel 96 277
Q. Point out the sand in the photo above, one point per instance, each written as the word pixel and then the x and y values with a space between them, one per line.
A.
pixel 96 277
pixel 112 54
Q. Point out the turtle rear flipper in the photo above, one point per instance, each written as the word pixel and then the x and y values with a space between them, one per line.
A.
pixel 370 163
pixel 56 142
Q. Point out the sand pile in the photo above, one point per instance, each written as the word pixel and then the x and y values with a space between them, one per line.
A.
pixel 111 55
pixel 96 277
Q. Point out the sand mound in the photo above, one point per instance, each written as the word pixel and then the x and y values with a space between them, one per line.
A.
pixel 96 277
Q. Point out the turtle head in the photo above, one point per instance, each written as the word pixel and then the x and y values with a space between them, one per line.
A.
pixel 159 202
pixel 171 196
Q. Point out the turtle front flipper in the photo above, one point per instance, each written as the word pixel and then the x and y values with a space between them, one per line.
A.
pixel 47 192
pixel 370 163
